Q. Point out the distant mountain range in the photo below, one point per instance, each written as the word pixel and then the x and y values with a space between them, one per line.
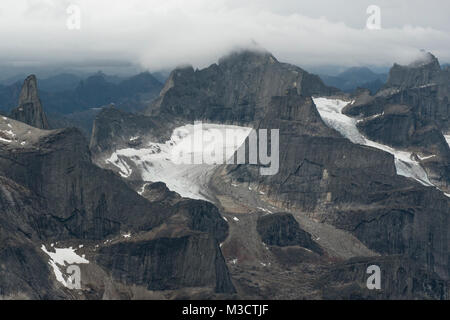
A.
pixel 70 100
pixel 356 77
pixel 68 93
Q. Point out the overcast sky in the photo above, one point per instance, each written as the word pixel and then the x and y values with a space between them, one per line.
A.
pixel 161 34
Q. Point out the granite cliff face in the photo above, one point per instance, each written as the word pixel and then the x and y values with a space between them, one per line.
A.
pixel 51 192
pixel 30 109
pixel 114 128
pixel 236 90
pixel 424 71
pixel 349 197
pixel 411 112
pixel 351 187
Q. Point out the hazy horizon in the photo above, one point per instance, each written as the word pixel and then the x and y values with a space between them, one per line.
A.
pixel 124 38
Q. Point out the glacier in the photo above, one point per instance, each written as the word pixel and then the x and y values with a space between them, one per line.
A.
pixel 171 162
pixel 331 112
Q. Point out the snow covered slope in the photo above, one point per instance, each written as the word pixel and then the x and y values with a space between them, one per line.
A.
pixel 186 161
pixel 60 258
pixel 331 112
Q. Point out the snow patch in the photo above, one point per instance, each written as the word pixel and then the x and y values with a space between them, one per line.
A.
pixel 60 258
pixel 447 138
pixel 264 210
pixel 331 112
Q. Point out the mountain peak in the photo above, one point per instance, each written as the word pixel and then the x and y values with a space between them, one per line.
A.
pixel 30 109
pixel 422 71
pixel 426 59
pixel 248 56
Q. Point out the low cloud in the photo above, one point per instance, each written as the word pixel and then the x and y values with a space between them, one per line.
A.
pixel 163 34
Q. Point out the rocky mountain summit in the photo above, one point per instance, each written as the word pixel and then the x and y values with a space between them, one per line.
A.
pixel 237 89
pixel 30 108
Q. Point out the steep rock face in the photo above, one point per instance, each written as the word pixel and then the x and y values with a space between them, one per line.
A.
pixel 237 89
pixel 422 72
pixel 402 129
pixel 323 167
pixel 24 223
pixel 412 112
pixel 169 263
pixel 352 187
pixel 30 109
pixel 281 229
pixel 423 86
pixel 50 191
pixel 400 279
pixel 114 128
pixel 91 201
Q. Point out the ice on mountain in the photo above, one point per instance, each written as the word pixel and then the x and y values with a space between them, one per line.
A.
pixel 173 162
pixel 60 258
pixel 331 112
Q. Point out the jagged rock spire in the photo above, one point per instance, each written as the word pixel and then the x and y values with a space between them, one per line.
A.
pixel 30 108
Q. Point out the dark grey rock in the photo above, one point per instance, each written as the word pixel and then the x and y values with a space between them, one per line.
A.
pixel 30 109
pixel 281 229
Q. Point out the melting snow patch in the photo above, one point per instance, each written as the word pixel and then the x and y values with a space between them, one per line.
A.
pixel 9 133
pixel 60 258
pixel 331 112
pixel 264 210
pixel 171 162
